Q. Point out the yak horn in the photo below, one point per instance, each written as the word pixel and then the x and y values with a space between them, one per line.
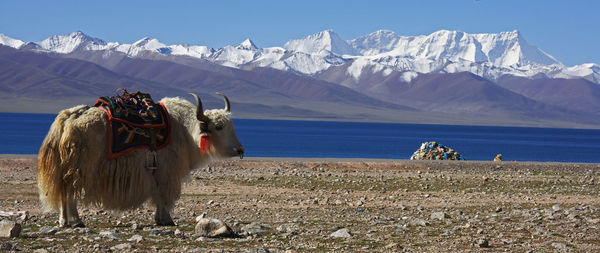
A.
pixel 199 111
pixel 227 105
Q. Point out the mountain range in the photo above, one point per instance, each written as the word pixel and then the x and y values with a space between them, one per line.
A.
pixel 447 77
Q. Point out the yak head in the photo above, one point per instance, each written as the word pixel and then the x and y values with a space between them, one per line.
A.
pixel 217 132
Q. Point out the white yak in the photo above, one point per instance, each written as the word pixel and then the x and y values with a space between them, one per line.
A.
pixel 73 164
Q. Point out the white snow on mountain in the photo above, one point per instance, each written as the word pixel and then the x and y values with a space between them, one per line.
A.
pixel 488 55
pixel 322 41
pixel 65 44
pixel 10 42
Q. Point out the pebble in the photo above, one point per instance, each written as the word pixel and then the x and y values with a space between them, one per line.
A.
pixel 109 234
pixel 393 246
pixel 341 233
pixel 6 246
pixel 557 208
pixel 412 221
pixel 122 246
pixel 439 216
pixel 161 232
pixel 48 230
pixel 254 228
pixel 558 245
pixel 481 242
pixel 135 238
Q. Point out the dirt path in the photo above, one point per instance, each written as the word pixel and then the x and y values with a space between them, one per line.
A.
pixel 386 205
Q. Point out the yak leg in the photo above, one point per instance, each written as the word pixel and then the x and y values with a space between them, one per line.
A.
pixel 68 216
pixel 162 216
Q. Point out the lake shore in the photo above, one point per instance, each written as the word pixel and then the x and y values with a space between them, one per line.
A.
pixel 386 205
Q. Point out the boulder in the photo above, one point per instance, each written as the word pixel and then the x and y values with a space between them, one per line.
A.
pixel 9 229
pixel 213 228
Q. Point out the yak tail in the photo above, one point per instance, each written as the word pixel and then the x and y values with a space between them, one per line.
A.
pixel 55 159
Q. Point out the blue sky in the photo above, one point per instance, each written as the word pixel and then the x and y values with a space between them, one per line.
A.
pixel 568 30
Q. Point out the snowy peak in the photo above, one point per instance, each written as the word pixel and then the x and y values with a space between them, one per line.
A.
pixel 68 43
pixel 10 42
pixel 247 45
pixel 149 44
pixel 489 55
pixel 322 41
pixel 375 43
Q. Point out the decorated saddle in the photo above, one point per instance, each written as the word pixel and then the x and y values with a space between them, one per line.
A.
pixel 135 121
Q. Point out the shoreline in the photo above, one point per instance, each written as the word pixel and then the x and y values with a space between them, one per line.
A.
pixel 369 160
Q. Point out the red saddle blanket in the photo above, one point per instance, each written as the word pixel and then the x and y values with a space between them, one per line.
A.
pixel 135 121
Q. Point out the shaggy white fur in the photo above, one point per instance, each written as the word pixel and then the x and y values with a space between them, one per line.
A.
pixel 72 163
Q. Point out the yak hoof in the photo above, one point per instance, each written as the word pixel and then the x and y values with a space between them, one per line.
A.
pixel 76 225
pixel 79 225
pixel 165 223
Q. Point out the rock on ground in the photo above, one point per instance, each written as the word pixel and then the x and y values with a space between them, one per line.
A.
pixel 213 228
pixel 341 233
pixel 9 229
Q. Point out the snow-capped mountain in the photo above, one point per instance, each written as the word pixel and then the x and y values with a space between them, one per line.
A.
pixel 65 44
pixel 383 52
pixel 327 41
pixel 8 41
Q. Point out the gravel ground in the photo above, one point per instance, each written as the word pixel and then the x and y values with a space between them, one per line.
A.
pixel 336 205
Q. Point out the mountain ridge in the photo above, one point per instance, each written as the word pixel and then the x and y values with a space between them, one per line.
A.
pixel 489 55
pixel 447 77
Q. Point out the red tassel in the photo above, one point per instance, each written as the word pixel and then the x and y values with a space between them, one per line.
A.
pixel 204 143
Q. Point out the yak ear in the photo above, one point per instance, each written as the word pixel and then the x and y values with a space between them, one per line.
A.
pixel 199 111
pixel 227 104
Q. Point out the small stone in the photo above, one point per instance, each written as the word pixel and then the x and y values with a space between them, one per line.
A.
pixel 112 235
pixel 341 233
pixel 40 251
pixel 481 242
pixel 122 246
pixel 9 229
pixel 82 230
pixel 557 208
pixel 448 233
pixel 6 246
pixel 48 230
pixel 393 246
pixel 99 246
pixel 135 238
pixel 178 233
pixel 412 221
pixel 439 216
pixel 254 228
pixel 212 228
pixel 203 239
pixel 498 209
pixel 558 245
pixel 161 232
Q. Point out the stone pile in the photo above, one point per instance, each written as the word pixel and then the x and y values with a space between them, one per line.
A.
pixel 435 151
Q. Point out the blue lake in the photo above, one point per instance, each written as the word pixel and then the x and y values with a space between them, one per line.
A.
pixel 23 134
